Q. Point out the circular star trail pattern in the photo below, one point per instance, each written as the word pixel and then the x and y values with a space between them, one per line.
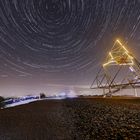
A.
pixel 61 37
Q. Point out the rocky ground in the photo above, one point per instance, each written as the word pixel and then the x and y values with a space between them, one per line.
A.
pixel 72 119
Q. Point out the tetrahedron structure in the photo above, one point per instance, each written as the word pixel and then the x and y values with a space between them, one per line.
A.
pixel 119 55
pixel 121 70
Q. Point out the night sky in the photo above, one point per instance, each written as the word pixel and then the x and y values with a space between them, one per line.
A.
pixel 62 41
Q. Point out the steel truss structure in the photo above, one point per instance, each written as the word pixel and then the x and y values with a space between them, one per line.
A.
pixel 121 70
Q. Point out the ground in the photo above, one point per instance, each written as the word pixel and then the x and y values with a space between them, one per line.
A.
pixel 73 119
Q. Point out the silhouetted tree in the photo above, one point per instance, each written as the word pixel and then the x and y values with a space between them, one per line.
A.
pixel 42 95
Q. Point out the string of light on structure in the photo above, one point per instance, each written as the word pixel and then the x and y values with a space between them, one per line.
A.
pixel 119 55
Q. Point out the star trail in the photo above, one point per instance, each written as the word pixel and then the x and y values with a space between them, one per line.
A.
pixel 62 41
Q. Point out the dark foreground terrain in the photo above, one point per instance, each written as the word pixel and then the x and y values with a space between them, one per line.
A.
pixel 72 119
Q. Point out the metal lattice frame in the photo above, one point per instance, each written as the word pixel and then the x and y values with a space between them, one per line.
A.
pixel 121 70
